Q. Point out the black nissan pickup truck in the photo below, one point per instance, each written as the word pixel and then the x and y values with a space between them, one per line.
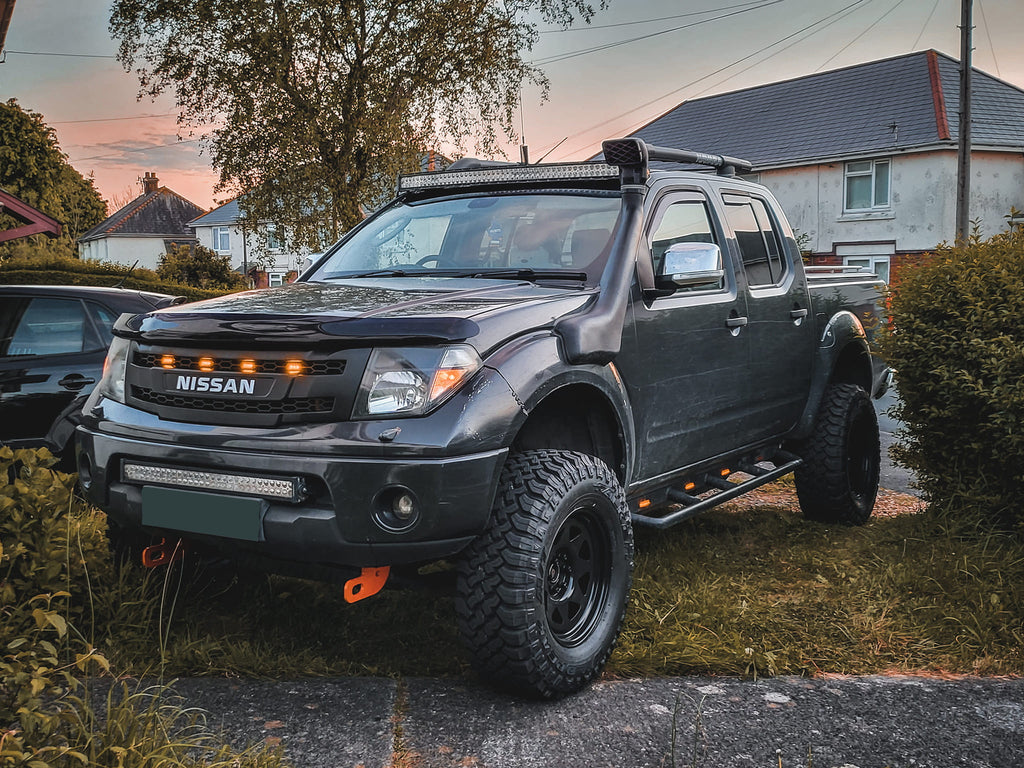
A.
pixel 507 368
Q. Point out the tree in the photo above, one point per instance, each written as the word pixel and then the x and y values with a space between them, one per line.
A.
pixel 321 102
pixel 34 169
pixel 199 267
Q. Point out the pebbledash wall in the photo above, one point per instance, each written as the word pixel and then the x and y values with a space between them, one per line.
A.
pixel 921 212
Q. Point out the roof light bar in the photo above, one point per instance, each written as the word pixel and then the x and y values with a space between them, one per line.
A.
pixel 507 174
pixel 290 488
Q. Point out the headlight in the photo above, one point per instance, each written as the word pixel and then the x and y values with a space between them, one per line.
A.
pixel 409 382
pixel 114 367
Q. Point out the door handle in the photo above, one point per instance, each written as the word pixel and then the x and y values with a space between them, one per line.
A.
pixel 798 314
pixel 736 322
pixel 75 381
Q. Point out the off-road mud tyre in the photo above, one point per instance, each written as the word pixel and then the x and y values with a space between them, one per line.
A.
pixel 838 481
pixel 542 592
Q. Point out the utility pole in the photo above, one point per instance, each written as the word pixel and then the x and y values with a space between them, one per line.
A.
pixel 963 169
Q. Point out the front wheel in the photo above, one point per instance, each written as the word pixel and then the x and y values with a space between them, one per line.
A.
pixel 838 481
pixel 543 591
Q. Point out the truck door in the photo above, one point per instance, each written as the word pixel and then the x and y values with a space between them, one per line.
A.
pixel 780 329
pixel 687 370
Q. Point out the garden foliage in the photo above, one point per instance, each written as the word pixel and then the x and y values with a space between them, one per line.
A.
pixel 52 558
pixel 956 342
pixel 29 266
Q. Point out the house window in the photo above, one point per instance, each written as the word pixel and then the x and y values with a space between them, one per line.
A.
pixel 221 239
pixel 877 264
pixel 275 279
pixel 273 240
pixel 867 185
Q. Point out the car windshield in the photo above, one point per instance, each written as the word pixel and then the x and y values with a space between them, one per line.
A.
pixel 540 234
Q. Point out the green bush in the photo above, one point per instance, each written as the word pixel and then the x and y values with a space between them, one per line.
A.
pixel 957 344
pixel 39 268
pixel 199 267
pixel 53 555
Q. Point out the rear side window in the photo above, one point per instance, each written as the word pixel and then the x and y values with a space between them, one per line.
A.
pixel 44 327
pixel 104 320
pixel 758 240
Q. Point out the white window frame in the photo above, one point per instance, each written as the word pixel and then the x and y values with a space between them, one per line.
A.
pixel 272 235
pixel 275 279
pixel 872 263
pixel 871 172
pixel 216 234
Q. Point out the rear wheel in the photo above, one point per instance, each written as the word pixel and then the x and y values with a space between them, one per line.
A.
pixel 838 481
pixel 542 593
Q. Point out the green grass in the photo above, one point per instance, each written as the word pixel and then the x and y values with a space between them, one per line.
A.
pixel 736 592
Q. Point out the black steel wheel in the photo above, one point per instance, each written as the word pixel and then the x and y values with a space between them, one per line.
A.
pixel 542 593
pixel 838 481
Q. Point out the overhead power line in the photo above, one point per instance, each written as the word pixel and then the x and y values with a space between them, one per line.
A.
pixel 58 53
pixel 597 48
pixel 138 149
pixel 112 119
pixel 590 27
pixel 831 18
pixel 871 26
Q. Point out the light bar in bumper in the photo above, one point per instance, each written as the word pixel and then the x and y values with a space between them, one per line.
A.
pixel 287 488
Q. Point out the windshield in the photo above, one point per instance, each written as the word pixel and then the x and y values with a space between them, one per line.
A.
pixel 543 233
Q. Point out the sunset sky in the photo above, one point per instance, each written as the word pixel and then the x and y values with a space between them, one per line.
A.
pixel 683 52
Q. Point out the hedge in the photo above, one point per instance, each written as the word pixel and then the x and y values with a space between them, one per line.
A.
pixel 956 342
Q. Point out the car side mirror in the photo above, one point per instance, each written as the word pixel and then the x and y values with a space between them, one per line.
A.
pixel 692 265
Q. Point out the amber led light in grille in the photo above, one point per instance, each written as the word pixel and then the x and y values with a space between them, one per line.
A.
pixel 294 367
pixel 166 361
pixel 206 364
pixel 212 481
pixel 247 366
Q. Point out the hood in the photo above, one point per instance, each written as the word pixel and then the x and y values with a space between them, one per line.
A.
pixel 351 312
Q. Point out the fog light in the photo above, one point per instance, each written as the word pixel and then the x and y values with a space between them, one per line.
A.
pixel 403 507
pixel 396 509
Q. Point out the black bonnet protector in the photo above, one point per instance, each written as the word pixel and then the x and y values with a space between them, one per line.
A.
pixel 306 316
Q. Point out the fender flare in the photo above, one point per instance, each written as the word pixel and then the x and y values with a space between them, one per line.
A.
pixel 534 368
pixel 843 340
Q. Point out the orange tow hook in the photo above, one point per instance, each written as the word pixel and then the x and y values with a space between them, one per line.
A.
pixel 163 553
pixel 366 584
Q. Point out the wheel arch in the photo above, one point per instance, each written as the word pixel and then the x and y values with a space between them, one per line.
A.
pixel 581 408
pixel 843 357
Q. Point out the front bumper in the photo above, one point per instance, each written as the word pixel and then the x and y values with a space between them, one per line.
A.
pixel 334 525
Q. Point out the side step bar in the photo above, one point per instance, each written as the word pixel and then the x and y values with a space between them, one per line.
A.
pixel 693 505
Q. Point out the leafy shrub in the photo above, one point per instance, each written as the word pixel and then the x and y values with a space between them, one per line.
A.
pixel 34 267
pixel 957 345
pixel 199 267
pixel 49 545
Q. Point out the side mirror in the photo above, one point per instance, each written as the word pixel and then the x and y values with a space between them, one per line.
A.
pixel 692 265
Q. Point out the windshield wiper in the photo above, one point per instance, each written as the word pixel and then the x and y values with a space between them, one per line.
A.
pixel 524 273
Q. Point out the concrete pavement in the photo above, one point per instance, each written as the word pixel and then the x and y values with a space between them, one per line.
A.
pixel 867 722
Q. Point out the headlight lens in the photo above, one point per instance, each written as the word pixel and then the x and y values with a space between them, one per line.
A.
pixel 409 382
pixel 114 368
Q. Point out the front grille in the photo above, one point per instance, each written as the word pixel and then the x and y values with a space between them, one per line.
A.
pixel 231 405
pixel 233 364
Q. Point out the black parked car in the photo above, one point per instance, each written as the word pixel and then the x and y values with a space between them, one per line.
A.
pixel 53 340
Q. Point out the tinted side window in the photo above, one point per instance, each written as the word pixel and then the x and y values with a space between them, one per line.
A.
pixel 685 221
pixel 44 327
pixel 759 243
pixel 104 321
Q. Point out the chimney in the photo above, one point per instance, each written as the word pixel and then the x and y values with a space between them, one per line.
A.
pixel 150 183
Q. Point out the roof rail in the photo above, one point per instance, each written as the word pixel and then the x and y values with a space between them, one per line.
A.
pixel 636 154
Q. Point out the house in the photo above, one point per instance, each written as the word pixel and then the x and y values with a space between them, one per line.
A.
pixel 144 230
pixel 259 250
pixel 864 159
pixel 255 249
